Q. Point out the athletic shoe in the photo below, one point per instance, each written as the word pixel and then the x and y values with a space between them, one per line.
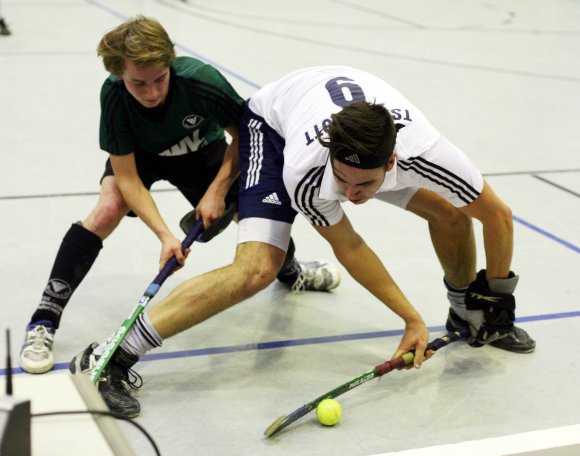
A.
pixel 517 340
pixel 36 356
pixel 114 382
pixel 316 275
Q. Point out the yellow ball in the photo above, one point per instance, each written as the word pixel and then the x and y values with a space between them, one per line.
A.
pixel 329 412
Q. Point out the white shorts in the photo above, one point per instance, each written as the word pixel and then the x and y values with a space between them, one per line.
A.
pixel 271 232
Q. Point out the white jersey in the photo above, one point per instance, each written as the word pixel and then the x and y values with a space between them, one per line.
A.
pixel 299 106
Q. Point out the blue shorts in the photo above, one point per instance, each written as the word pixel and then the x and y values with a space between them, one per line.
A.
pixel 262 190
pixel 265 211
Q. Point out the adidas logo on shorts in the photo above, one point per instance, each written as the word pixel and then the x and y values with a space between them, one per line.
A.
pixel 272 198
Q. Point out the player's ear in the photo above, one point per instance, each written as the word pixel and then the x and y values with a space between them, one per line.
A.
pixel 391 161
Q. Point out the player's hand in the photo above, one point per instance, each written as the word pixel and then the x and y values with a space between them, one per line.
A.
pixel 171 246
pixel 415 339
pixel 210 208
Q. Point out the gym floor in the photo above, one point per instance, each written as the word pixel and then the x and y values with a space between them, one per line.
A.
pixel 501 79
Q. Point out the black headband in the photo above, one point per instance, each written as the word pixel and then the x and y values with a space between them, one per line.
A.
pixel 364 161
pixel 357 160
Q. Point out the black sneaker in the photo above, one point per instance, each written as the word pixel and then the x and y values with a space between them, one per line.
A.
pixel 517 340
pixel 114 382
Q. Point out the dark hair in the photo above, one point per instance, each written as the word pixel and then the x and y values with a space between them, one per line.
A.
pixel 362 128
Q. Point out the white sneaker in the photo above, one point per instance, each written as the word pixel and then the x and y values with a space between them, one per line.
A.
pixel 317 275
pixel 36 356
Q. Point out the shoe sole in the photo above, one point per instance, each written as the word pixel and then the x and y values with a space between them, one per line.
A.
pixel 522 351
pixel 124 415
pixel 37 370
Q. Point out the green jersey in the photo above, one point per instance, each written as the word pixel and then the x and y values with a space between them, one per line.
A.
pixel 200 103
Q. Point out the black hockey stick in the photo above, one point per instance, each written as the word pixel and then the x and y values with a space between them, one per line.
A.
pixel 378 371
pixel 195 232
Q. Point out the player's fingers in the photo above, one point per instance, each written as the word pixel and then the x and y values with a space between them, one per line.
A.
pixel 397 354
pixel 201 214
pixel 179 256
pixel 419 354
pixel 209 214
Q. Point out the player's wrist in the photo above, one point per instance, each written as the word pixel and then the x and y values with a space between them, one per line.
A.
pixel 219 187
pixel 413 320
pixel 165 235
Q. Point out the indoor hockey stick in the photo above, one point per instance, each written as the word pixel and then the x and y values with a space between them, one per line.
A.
pixel 378 371
pixel 195 232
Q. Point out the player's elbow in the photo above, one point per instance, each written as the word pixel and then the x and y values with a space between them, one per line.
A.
pixel 350 251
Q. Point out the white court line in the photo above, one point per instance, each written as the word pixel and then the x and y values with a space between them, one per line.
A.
pixel 563 441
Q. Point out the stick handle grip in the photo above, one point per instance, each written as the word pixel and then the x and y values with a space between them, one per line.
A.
pixel 407 358
pixel 195 231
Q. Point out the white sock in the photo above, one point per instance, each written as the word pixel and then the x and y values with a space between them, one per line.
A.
pixel 456 298
pixel 139 340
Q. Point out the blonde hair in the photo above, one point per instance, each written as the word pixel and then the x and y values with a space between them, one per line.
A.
pixel 141 40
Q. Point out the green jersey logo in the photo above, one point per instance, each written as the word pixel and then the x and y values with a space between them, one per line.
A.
pixel 192 121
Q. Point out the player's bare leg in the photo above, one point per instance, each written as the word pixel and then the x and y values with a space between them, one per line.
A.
pixel 77 253
pixel 451 234
pixel 453 240
pixel 197 299
pixel 109 211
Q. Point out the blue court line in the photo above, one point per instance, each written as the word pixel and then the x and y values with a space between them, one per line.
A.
pixel 537 229
pixel 300 342
pixel 256 86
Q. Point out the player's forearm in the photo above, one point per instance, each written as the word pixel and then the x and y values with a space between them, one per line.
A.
pixel 367 269
pixel 230 168
pixel 227 173
pixel 140 201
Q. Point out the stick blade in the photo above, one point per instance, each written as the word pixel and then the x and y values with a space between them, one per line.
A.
pixel 275 426
pixel 214 229
pixel 187 221
pixel 219 225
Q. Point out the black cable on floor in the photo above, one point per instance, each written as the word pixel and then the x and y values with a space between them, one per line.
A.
pixel 103 413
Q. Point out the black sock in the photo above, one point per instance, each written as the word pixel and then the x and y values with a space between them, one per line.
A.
pixel 124 359
pixel 77 253
pixel 290 269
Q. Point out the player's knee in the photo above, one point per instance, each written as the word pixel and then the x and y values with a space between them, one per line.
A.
pixel 257 274
pixel 439 212
pixel 504 212
pixel 107 214
pixel 451 219
pixel 259 277
pixel 457 220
